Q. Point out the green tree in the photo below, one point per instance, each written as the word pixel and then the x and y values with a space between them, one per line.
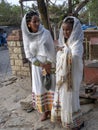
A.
pixel 15 16
pixel 93 12
pixel 57 12
pixel 10 15
pixel 4 13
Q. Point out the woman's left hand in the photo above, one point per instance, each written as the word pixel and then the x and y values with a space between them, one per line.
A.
pixel 47 67
pixel 59 48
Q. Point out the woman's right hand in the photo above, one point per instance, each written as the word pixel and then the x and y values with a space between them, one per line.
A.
pixel 47 67
pixel 58 48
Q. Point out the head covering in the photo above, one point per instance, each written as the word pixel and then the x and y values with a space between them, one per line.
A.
pixel 41 40
pixel 75 41
pixel 25 29
pixel 64 73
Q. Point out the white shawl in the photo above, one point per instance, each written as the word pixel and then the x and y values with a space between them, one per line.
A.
pixel 75 43
pixel 42 43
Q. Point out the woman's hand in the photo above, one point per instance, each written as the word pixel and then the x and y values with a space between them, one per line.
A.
pixel 59 48
pixel 47 67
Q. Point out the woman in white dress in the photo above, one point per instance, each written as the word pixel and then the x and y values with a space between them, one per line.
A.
pixel 69 72
pixel 39 50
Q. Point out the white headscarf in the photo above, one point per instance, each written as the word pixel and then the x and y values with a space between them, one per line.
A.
pixel 75 47
pixel 42 41
pixel 75 41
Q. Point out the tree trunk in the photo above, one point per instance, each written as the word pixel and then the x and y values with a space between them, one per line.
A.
pixel 69 6
pixel 80 6
pixel 43 12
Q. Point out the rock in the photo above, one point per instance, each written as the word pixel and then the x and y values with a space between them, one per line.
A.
pixel 45 125
pixel 87 108
pixel 86 101
pixel 26 103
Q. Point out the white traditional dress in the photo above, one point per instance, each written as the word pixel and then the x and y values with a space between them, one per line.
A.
pixel 39 46
pixel 69 72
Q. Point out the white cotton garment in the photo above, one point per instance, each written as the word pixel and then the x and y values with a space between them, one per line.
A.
pixel 69 100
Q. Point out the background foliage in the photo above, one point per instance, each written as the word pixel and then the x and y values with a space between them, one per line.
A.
pixel 11 14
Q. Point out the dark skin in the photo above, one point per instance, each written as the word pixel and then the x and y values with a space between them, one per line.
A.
pixel 33 26
pixel 67 29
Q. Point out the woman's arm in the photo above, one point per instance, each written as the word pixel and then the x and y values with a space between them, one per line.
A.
pixel 28 55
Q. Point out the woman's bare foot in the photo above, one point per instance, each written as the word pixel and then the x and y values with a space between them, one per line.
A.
pixel 79 128
pixel 45 115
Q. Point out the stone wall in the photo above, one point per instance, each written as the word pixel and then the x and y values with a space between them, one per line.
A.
pixel 19 64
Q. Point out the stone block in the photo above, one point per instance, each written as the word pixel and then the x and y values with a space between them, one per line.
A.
pixel 26 65
pixel 25 68
pixel 29 73
pixel 17 50
pixel 12 62
pixel 11 50
pixel 14 56
pixel 22 73
pixel 12 44
pixel 26 103
pixel 16 35
pixel 16 68
pixel 18 63
pixel 86 108
pixel 19 44
pixel 14 72
pixel 20 56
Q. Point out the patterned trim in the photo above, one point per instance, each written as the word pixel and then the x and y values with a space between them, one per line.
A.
pixel 77 121
pixel 43 102
pixel 69 66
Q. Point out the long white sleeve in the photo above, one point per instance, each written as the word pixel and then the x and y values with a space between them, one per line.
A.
pixel 28 55
pixel 32 59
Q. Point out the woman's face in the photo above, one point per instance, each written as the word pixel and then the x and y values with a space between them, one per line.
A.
pixel 34 23
pixel 67 29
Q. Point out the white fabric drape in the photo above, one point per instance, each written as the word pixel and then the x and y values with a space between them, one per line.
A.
pixel 39 46
pixel 69 100
pixel 76 38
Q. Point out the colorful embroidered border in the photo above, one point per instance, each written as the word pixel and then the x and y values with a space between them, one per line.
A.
pixel 78 120
pixel 43 102
pixel 76 123
pixel 69 66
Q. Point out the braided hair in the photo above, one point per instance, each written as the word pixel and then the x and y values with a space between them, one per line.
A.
pixel 69 21
pixel 29 15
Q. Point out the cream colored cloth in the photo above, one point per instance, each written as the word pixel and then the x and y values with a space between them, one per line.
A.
pixel 75 41
pixel 68 100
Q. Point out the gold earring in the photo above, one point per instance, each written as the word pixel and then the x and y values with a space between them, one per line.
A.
pixel 29 26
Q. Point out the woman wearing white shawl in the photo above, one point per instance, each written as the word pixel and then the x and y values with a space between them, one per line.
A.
pixel 69 71
pixel 39 50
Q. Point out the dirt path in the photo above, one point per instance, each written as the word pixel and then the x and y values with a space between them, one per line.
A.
pixel 12 117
